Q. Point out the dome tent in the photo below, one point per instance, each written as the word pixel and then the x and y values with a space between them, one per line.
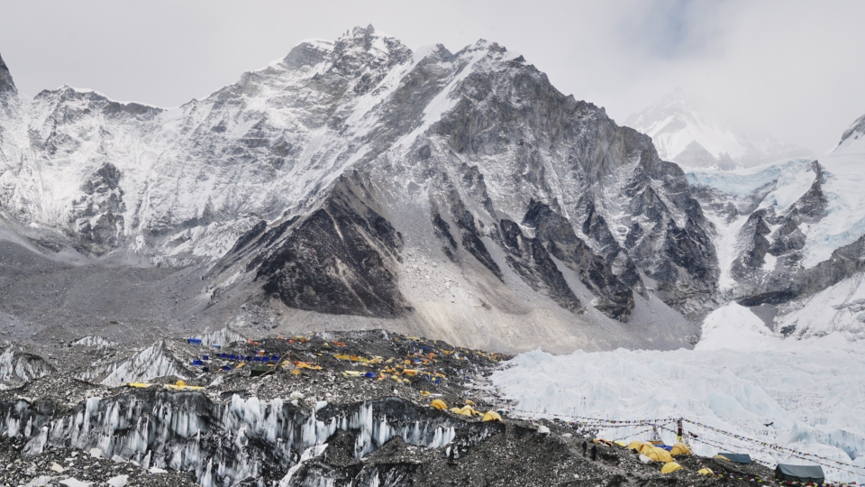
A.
pixel 680 449
pixel 492 416
pixel 742 458
pixel 438 404
pixel 805 474
pixel 659 455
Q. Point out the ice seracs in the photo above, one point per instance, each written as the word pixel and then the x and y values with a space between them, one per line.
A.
pixel 809 393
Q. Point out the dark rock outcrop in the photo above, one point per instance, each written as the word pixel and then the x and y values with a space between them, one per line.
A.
pixel 340 259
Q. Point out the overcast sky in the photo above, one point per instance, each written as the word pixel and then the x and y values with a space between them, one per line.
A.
pixel 793 68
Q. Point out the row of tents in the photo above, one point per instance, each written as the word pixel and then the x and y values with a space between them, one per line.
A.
pixel 652 452
pixel 466 410
pixel 802 474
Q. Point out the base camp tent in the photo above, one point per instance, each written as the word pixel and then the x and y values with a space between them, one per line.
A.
pixel 800 473
pixel 742 458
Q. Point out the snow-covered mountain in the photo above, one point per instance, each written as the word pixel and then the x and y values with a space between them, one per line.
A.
pixel 695 138
pixel 853 140
pixel 456 193
pixel 357 183
pixel 792 235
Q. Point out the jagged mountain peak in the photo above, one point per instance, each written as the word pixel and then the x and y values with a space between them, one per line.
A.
pixel 331 179
pixel 7 85
pixel 853 139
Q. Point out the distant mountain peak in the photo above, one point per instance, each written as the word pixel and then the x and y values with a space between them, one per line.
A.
pixel 686 133
pixel 853 139
pixel 6 83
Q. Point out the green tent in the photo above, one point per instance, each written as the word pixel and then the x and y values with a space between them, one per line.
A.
pixel 800 473
pixel 259 370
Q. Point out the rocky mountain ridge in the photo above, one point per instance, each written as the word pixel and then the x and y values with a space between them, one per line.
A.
pixel 358 184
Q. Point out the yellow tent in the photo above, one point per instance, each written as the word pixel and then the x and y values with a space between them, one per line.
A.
pixel 466 411
pixel 140 385
pixel 706 471
pixel 621 443
pixel 670 467
pixel 721 457
pixel 659 455
pixel 181 386
pixel 304 365
pixel 492 416
pixel 680 449
pixel 471 411
pixel 439 404
pixel 646 448
pixel 635 445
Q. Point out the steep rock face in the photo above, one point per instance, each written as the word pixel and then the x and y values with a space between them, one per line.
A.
pixel 340 260
pixel 853 139
pixel 532 262
pixel 593 271
pixel 505 138
pixel 7 86
pixel 8 105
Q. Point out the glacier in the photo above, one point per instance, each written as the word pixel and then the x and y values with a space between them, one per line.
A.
pixel 806 396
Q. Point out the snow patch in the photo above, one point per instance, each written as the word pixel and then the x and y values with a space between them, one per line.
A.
pixel 735 327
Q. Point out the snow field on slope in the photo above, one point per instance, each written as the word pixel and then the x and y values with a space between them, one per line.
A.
pixel 792 178
pixel 838 308
pixel 845 213
pixel 735 327
pixel 813 397
pixel 844 218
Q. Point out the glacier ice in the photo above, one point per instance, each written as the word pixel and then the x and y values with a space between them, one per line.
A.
pixel 810 393
pixel 221 442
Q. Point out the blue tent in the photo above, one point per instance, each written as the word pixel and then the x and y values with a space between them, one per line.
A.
pixel 197 362
pixel 193 341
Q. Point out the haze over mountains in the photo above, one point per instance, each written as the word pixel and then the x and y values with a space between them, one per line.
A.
pixel 695 138
pixel 357 183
